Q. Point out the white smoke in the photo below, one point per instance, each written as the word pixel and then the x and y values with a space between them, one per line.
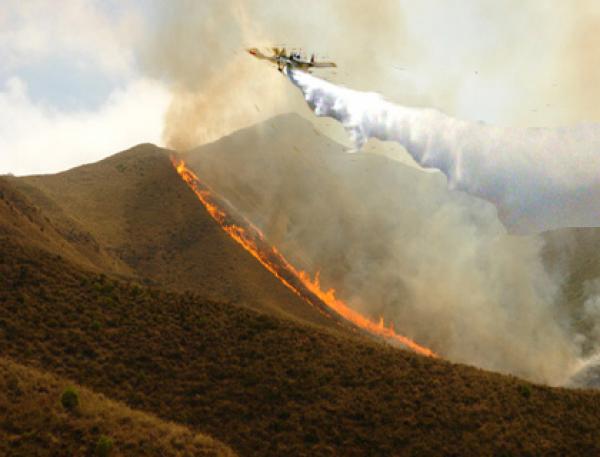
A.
pixel 587 368
pixel 590 316
pixel 538 178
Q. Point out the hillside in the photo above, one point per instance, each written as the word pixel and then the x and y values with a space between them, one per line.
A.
pixel 148 225
pixel 329 211
pixel 575 251
pixel 46 226
pixel 113 275
pixel 271 386
pixel 36 423
pixel 310 198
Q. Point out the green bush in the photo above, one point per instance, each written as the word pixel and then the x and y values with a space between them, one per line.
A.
pixel 525 390
pixel 104 446
pixel 136 290
pixel 70 398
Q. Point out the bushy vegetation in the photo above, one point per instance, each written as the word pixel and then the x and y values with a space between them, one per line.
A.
pixel 104 446
pixel 70 399
pixel 33 423
pixel 525 390
pixel 268 386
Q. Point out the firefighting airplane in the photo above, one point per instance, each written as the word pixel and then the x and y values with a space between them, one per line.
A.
pixel 293 60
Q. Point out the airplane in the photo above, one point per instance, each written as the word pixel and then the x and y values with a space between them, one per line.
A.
pixel 293 60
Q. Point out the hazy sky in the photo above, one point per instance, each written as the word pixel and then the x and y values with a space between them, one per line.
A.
pixel 72 89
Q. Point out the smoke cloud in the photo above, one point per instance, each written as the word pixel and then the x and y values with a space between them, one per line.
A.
pixel 479 60
pixel 588 372
pixel 441 263
pixel 394 242
pixel 539 179
pixel 218 88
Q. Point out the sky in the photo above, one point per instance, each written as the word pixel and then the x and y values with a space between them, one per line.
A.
pixel 70 88
pixel 80 79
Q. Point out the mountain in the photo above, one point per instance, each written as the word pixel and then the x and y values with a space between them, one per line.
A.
pixel 316 202
pixel 397 244
pixel 114 277
pixel 266 385
pixel 142 221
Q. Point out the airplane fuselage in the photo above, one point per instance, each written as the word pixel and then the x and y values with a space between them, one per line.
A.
pixel 294 60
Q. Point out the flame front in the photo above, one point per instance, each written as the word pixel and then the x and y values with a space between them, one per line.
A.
pixel 253 241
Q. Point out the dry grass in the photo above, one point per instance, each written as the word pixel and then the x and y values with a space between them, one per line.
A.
pixel 46 226
pixel 35 423
pixel 266 383
pixel 135 207
pixel 267 386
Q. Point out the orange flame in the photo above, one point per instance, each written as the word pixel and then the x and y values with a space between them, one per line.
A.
pixel 253 241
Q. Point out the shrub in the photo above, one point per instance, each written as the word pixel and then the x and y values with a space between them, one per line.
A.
pixel 136 290
pixel 104 446
pixel 525 390
pixel 70 398
pixel 106 302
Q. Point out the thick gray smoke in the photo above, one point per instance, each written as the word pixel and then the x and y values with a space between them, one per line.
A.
pixel 394 242
pixel 480 59
pixel 438 263
pixel 199 49
pixel 539 179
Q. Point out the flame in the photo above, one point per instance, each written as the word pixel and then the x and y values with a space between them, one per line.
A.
pixel 298 281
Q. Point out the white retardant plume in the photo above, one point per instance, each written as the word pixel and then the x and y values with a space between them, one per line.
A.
pixel 538 178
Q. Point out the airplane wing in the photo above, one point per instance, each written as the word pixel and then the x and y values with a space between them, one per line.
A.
pixel 259 55
pixel 323 64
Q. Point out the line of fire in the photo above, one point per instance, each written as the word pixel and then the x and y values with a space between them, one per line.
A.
pixel 298 281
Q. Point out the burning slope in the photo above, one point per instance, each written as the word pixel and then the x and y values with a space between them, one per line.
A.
pixel 299 282
pixel 145 224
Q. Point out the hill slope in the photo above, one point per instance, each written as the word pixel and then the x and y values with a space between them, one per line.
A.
pixel 395 242
pixel 35 423
pixel 113 275
pixel 348 216
pixel 270 386
pixel 46 226
pixel 136 208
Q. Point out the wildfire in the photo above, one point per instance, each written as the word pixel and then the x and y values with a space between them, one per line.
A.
pixel 298 281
